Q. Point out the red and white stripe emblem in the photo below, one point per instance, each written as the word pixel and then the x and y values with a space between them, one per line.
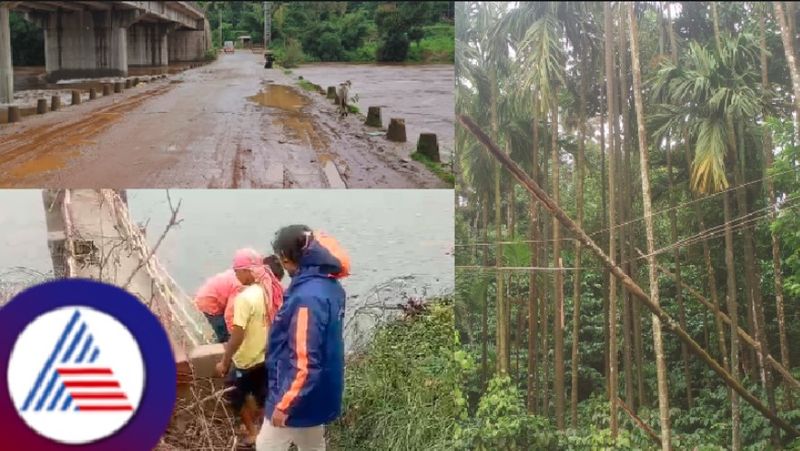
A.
pixel 94 389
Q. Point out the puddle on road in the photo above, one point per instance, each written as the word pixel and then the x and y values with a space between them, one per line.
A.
pixel 280 96
pixel 297 124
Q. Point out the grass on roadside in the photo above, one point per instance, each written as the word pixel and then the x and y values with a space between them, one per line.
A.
pixel 441 170
pixel 307 85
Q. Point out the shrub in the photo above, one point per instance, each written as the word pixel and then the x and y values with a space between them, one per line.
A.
pixel 502 422
pixel 330 47
pixel 394 48
pixel 293 55
pixel 402 391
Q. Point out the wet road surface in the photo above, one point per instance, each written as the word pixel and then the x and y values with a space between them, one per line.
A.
pixel 230 124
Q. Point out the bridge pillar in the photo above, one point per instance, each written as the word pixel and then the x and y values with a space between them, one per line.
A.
pixel 6 69
pixel 84 44
pixel 148 44
pixel 190 45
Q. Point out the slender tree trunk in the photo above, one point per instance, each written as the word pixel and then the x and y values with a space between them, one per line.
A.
pixel 622 201
pixel 752 278
pixel 673 217
pixel 776 245
pixel 545 304
pixel 612 218
pixel 604 221
pixel 485 309
pixel 661 366
pixel 533 294
pixel 789 51
pixel 576 284
pixel 502 326
pixel 736 439
pixel 733 311
pixel 558 283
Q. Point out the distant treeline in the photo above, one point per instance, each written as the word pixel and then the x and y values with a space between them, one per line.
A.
pixel 341 31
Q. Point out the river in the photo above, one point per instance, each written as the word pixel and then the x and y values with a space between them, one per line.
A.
pixel 388 233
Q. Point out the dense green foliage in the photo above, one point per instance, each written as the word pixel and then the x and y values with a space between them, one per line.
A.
pixel 27 40
pixel 530 56
pixel 403 391
pixel 342 31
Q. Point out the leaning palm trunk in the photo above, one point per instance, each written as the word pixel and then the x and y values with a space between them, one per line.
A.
pixel 661 365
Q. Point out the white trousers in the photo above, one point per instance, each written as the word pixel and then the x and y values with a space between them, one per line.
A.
pixel 271 438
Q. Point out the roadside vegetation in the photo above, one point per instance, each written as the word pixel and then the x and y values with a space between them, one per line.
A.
pixel 416 32
pixel 402 389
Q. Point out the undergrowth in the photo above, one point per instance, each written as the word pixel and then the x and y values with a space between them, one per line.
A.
pixel 402 391
pixel 441 170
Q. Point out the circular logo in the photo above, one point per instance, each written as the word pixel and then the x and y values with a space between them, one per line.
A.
pixel 87 365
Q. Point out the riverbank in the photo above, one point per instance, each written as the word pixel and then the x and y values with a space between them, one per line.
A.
pixel 436 47
pixel 401 391
pixel 402 388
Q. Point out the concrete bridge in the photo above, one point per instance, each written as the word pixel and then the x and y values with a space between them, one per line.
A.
pixel 85 39
pixel 91 235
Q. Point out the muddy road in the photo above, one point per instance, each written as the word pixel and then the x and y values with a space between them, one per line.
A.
pixel 421 94
pixel 230 124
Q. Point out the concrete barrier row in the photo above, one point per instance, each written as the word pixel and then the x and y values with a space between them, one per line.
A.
pixel 76 96
pixel 427 144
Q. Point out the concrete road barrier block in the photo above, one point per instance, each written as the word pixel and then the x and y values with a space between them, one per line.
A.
pixel 106 89
pixel 41 106
pixel 55 102
pixel 374 117
pixel 428 145
pixel 13 114
pixel 331 92
pixel 118 86
pixel 204 359
pixel 128 83
pixel 92 93
pixel 76 97
pixel 397 130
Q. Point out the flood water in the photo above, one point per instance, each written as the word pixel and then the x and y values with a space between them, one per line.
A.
pixel 421 94
pixel 388 233
pixel 400 241
pixel 23 235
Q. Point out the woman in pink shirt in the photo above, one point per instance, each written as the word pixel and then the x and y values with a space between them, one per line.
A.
pixel 214 295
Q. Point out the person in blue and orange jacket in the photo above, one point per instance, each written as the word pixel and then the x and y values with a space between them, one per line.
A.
pixel 305 358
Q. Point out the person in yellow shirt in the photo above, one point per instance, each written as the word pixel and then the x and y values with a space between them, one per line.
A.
pixel 245 349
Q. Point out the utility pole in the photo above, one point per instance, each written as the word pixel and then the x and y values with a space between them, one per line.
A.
pixel 267 24
pixel 221 39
